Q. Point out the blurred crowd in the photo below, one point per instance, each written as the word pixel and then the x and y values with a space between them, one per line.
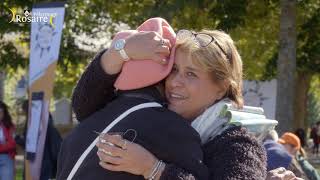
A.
pixel 10 139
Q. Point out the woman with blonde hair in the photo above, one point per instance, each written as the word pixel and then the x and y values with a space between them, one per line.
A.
pixel 207 74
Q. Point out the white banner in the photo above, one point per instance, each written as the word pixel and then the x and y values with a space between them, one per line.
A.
pixel 33 129
pixel 46 31
pixel 261 94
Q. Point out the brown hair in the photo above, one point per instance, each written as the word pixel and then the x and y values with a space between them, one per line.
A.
pixel 225 67
pixel 7 120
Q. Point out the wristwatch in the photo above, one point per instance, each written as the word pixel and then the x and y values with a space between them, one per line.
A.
pixel 119 46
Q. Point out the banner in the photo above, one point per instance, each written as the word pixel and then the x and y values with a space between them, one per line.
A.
pixel 261 94
pixel 45 38
pixel 46 30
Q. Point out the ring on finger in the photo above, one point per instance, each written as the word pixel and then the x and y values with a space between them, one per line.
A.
pixel 110 144
pixel 282 170
pixel 106 152
pixel 162 42
pixel 124 146
pixel 103 141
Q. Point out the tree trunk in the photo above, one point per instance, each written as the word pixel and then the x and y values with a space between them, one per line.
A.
pixel 301 100
pixel 2 77
pixel 286 66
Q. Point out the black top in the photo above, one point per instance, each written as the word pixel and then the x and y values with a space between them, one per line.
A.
pixel 232 155
pixel 159 130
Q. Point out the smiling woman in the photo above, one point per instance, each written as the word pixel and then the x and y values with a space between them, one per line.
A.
pixel 189 89
pixel 206 74
pixel 203 74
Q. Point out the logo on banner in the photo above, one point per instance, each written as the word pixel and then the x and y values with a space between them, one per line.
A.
pixel 29 17
pixel 44 38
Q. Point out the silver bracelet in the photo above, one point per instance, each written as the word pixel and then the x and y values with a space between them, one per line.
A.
pixel 154 171
pixel 157 171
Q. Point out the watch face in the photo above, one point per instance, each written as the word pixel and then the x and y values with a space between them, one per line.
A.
pixel 119 44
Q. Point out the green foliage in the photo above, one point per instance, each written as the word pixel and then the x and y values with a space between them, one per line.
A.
pixel 308 41
pixel 308 51
pixel 9 55
pixel 254 25
pixel 17 6
pixel 66 77
pixel 257 39
pixel 92 17
pixel 271 68
pixel 315 86
pixel 10 58
pixel 88 16
pixel 313 109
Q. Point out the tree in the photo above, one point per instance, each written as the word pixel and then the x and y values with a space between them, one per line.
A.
pixel 91 18
pixel 308 62
pixel 286 65
pixel 14 52
pixel 308 53
pixel 314 109
pixel 257 39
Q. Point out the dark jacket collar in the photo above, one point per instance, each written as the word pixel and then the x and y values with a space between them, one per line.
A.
pixel 150 93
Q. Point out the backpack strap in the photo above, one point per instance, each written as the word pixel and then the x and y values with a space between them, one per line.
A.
pixel 111 125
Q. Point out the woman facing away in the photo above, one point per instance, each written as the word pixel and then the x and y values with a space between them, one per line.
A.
pixel 206 74
pixel 7 144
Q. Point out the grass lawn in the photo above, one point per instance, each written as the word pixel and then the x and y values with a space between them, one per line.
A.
pixel 19 173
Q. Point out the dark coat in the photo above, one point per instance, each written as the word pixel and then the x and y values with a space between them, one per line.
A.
pixel 235 155
pixel 232 155
pixel 50 152
pixel 162 132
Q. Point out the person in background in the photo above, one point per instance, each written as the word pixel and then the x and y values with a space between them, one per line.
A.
pixel 277 155
pixel 7 144
pixel 21 138
pixel 51 148
pixel 300 166
pixel 302 136
pixel 314 135
pixel 279 160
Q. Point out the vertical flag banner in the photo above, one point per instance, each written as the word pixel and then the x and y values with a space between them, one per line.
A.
pixel 45 39
pixel 46 32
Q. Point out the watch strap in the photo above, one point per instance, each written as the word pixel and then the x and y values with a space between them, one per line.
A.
pixel 124 55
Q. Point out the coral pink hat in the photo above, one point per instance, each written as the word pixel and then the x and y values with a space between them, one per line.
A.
pixel 143 73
